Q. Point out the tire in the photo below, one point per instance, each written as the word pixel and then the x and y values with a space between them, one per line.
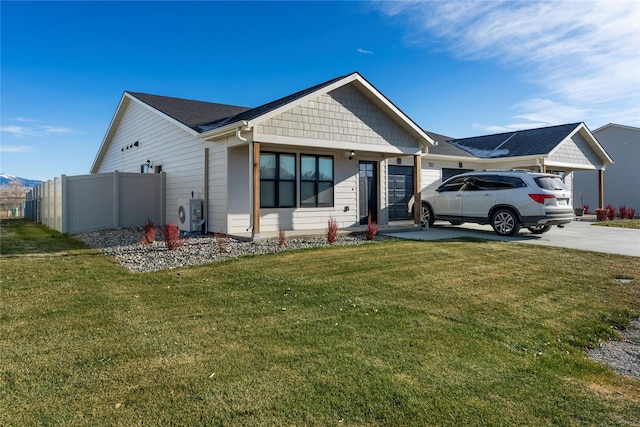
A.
pixel 539 229
pixel 456 222
pixel 426 215
pixel 505 222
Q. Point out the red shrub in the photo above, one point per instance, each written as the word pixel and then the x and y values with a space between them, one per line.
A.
pixel 586 210
pixel 611 212
pixel 601 214
pixel 631 213
pixel 372 229
pixel 622 211
pixel 149 235
pixel 172 237
pixel 332 233
pixel 282 239
pixel 221 241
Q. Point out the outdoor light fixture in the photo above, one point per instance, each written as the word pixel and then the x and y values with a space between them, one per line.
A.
pixel 352 154
pixel 149 163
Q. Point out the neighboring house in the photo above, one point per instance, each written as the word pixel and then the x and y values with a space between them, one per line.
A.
pixel 566 150
pixel 621 179
pixel 291 164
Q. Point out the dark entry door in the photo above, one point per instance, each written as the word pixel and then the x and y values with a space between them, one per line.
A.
pixel 368 186
pixel 400 191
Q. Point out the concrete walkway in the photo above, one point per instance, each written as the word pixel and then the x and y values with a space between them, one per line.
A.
pixel 575 235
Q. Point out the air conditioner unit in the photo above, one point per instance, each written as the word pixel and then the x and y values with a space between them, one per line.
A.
pixel 190 214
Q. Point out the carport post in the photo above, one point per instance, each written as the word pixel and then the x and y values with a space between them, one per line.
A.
pixel 417 203
pixel 601 188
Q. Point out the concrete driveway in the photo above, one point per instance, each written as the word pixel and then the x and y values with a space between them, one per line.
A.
pixel 575 235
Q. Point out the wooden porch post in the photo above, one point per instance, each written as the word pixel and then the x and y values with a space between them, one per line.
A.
pixel 417 168
pixel 601 188
pixel 256 190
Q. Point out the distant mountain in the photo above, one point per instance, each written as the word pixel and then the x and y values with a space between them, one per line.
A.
pixel 5 179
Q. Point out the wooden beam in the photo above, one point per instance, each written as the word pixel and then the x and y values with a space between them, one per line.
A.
pixel 256 190
pixel 417 168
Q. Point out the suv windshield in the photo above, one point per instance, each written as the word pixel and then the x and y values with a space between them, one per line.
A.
pixel 550 183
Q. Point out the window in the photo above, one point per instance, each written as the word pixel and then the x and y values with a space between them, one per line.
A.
pixel 144 168
pixel 454 185
pixel 277 180
pixel 316 181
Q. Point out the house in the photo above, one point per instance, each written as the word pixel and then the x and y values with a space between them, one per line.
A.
pixel 337 150
pixel 621 179
pixel 294 163
pixel 566 150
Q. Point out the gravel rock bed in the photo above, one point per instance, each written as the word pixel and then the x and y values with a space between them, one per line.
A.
pixel 623 355
pixel 126 247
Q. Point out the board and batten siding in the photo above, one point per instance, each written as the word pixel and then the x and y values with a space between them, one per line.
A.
pixel 180 153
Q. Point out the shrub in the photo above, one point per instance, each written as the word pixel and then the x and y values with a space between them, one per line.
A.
pixel 622 211
pixel 221 240
pixel 601 214
pixel 332 232
pixel 149 235
pixel 631 213
pixel 282 239
pixel 372 229
pixel 586 210
pixel 611 212
pixel 172 237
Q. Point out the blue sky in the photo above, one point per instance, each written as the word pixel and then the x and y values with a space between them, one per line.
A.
pixel 459 68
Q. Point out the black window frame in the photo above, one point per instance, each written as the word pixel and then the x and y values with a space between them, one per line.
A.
pixel 277 181
pixel 317 181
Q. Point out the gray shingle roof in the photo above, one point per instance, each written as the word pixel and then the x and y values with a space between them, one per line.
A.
pixel 444 147
pixel 191 113
pixel 514 144
pixel 205 116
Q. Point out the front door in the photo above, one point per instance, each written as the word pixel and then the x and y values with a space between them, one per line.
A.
pixel 368 191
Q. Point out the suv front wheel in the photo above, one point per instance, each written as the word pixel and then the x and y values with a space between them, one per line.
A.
pixel 505 222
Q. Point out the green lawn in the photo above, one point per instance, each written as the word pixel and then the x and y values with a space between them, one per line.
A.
pixel 391 333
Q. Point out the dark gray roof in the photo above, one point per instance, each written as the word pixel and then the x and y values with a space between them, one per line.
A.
pixel 443 146
pixel 514 144
pixel 205 116
pixel 191 113
pixel 252 113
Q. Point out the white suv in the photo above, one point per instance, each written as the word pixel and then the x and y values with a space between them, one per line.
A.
pixel 507 200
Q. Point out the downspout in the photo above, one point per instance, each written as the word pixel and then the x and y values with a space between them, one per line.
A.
pixel 241 138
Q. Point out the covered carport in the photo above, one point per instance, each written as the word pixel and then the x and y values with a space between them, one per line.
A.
pixel 562 150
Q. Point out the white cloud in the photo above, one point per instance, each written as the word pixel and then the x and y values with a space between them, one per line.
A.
pixel 584 55
pixel 15 148
pixel 367 52
pixel 36 131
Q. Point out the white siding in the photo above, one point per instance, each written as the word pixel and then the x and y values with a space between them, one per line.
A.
pixel 163 143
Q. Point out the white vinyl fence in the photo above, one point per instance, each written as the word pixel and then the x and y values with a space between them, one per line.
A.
pixel 83 203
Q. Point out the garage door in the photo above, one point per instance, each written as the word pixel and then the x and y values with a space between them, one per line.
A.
pixel 400 191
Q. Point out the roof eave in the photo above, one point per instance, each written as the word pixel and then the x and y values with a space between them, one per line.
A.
pixel 593 143
pixel 223 130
